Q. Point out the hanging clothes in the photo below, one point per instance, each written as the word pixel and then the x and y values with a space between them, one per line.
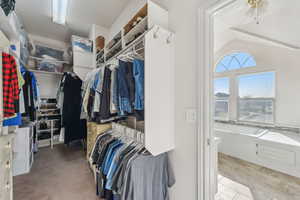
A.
pixel 75 128
pixel 16 119
pixel 145 172
pixel 124 91
pixel 10 86
pixel 104 111
pixel 113 92
pixel 138 71
pixel 130 82
pixel 124 172
pixel 30 94
pixel 114 104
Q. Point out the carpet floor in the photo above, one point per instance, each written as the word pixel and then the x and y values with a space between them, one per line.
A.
pixel 264 183
pixel 61 173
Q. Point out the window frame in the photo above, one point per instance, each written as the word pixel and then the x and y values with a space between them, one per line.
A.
pixel 233 105
pixel 274 100
pixel 230 53
pixel 215 99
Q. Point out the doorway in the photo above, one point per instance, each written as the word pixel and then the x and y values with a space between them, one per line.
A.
pixel 251 143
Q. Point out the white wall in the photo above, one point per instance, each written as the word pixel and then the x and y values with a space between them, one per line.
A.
pixel 93 34
pixel 183 18
pixel 286 64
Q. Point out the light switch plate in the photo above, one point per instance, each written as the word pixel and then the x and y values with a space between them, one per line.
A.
pixel 191 115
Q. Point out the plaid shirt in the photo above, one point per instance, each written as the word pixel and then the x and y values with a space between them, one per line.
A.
pixel 10 85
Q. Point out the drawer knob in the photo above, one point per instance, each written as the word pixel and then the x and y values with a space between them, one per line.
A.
pixel 8 164
pixel 8 145
pixel 7 186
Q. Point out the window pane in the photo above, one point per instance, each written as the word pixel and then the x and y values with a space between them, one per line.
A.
pixel 256 97
pixel 221 67
pixel 221 92
pixel 235 61
pixel 256 110
pixel 234 64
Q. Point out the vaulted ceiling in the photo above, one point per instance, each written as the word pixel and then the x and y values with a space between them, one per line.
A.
pixel 36 16
pixel 280 23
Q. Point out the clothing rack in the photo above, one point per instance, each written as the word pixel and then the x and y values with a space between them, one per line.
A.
pixel 131 47
pixel 123 167
pixel 129 132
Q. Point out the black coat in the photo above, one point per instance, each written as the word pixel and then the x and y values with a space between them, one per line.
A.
pixel 75 128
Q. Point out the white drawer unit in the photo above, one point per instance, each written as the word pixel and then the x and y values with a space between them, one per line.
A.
pixel 6 190
pixel 23 151
pixel 275 154
pixel 279 152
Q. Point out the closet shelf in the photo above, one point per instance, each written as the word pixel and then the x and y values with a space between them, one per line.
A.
pixel 47 130
pixel 45 72
pixel 99 52
pixel 139 28
pixel 114 47
pixel 45 109
pixel 126 48
pixel 51 115
pixel 49 60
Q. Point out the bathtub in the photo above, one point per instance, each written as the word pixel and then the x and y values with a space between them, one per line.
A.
pixel 239 129
pixel 274 150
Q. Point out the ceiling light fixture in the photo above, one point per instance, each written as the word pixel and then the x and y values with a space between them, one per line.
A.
pixel 59 11
pixel 257 8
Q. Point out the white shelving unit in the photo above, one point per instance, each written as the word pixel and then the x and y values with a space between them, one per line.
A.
pixel 151 14
pixel 45 72
pixel 159 45
pixel 141 27
pixel 46 136
pixel 23 151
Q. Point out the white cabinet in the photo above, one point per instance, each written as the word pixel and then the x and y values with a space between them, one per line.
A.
pixel 82 59
pixel 279 152
pixel 23 151
pixel 150 24
pixel 159 90
pixel 6 181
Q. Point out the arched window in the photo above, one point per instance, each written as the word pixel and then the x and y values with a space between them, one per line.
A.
pixel 235 61
pixel 253 101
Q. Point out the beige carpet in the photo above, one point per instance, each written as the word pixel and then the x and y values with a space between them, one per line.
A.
pixel 61 173
pixel 264 184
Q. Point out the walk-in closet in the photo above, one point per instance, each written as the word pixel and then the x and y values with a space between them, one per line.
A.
pixel 87 100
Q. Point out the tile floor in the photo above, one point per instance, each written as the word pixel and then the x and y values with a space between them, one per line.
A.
pixel 231 190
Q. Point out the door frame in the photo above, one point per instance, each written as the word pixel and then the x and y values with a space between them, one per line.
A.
pixel 205 137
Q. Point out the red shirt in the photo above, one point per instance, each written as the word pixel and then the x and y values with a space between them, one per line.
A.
pixel 10 85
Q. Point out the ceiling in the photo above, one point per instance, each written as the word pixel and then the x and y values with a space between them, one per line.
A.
pixel 279 24
pixel 36 16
